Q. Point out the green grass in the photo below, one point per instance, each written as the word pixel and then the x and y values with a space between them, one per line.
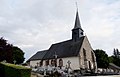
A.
pixel 12 70
pixel 15 66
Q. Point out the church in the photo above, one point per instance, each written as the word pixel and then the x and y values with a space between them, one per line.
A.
pixel 75 53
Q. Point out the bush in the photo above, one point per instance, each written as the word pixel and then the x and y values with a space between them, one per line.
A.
pixel 11 70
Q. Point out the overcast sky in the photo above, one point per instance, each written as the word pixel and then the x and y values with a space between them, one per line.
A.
pixel 34 25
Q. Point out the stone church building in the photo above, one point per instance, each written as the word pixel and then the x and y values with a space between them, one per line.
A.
pixel 75 53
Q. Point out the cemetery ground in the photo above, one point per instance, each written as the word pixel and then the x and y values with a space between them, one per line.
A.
pixel 40 72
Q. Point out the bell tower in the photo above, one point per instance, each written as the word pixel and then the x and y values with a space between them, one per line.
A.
pixel 77 31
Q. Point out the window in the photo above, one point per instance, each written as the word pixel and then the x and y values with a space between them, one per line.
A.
pixel 85 59
pixel 84 52
pixel 41 62
pixel 89 65
pixel 52 62
pixel 55 62
pixel 47 62
pixel 93 58
pixel 81 33
pixel 60 63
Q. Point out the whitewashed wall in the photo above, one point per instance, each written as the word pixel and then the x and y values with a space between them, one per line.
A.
pixel 34 63
pixel 74 62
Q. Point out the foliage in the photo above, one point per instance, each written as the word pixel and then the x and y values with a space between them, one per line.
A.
pixel 111 58
pixel 18 55
pixel 101 58
pixel 10 53
pixel 116 53
pixel 115 58
pixel 14 66
pixel 14 70
pixel 116 61
pixel 5 51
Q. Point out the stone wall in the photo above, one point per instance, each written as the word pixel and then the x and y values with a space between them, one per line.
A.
pixel 86 56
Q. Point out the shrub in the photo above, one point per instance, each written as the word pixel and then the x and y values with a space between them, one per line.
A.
pixel 11 70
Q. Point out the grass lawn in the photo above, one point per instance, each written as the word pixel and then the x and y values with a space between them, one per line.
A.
pixel 15 66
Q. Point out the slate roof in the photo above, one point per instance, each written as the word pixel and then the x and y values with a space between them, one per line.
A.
pixel 114 66
pixel 68 48
pixel 38 56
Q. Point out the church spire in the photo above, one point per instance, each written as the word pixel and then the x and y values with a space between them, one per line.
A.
pixel 77 31
pixel 77 21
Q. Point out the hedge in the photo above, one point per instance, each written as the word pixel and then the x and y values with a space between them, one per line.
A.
pixel 11 70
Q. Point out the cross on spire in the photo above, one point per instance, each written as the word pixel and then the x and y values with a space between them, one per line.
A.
pixel 76 5
pixel 77 31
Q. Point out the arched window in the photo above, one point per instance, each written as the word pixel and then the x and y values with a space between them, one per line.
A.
pixel 47 62
pixel 89 65
pixel 93 58
pixel 60 63
pixel 41 62
pixel 85 59
pixel 55 62
pixel 84 53
pixel 52 62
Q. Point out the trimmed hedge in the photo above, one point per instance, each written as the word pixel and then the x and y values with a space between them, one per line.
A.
pixel 11 70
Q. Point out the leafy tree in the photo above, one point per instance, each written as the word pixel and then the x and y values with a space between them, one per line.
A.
pixel 5 51
pixel 111 58
pixel 118 53
pixel 116 61
pixel 10 53
pixel 18 55
pixel 114 52
pixel 101 58
pixel 115 58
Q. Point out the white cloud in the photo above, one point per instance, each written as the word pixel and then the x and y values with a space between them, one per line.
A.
pixel 102 25
pixel 34 25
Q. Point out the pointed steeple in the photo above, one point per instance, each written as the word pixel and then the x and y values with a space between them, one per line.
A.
pixel 77 22
pixel 77 31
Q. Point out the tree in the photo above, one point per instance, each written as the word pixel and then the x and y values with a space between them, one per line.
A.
pixel 5 50
pixel 118 53
pixel 115 58
pixel 10 53
pixel 18 55
pixel 114 52
pixel 101 58
pixel 116 61
pixel 111 58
